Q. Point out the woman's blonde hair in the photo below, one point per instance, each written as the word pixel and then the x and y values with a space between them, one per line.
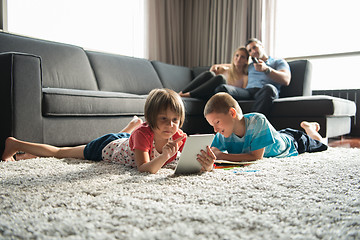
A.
pixel 232 71
pixel 160 100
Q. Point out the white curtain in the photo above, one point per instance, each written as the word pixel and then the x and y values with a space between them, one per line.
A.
pixel 268 26
pixel 3 15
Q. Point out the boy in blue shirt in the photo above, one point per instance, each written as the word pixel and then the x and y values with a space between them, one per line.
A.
pixel 250 136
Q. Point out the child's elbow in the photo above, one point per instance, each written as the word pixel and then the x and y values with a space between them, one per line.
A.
pixel 258 155
pixel 152 171
pixel 144 169
pixel 147 170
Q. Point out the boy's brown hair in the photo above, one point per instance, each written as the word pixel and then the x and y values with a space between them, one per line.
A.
pixel 159 100
pixel 221 103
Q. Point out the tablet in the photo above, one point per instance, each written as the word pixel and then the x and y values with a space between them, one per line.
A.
pixel 194 143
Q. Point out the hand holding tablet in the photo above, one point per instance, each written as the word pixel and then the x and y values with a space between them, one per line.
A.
pixel 188 162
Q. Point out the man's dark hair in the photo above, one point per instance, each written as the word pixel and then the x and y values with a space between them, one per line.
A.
pixel 253 40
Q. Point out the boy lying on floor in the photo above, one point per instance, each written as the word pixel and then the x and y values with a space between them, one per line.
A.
pixel 250 136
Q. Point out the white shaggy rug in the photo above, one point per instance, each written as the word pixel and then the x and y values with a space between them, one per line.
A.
pixel 312 196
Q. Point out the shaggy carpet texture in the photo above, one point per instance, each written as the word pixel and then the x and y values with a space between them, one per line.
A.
pixel 312 196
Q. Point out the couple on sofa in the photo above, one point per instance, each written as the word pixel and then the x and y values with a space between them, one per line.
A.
pixel 260 81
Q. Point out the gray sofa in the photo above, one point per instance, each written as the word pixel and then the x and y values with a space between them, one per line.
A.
pixel 61 94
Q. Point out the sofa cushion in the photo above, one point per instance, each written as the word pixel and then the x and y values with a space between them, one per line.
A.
pixel 194 106
pixel 63 65
pixel 300 84
pixel 116 73
pixel 70 102
pixel 246 105
pixel 306 106
pixel 310 106
pixel 196 71
pixel 173 77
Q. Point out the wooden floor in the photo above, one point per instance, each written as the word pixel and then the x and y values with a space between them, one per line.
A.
pixel 347 142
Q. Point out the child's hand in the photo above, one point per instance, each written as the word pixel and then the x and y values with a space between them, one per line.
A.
pixel 172 147
pixel 217 152
pixel 206 159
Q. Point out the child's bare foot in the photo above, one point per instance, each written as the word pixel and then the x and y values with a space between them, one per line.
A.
pixel 314 125
pixel 312 129
pixel 9 150
pixel 187 94
pixel 134 123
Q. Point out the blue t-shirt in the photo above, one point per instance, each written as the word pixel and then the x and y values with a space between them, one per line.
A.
pixel 259 79
pixel 259 133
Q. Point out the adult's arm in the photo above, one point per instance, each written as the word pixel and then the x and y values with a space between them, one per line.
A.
pixel 281 76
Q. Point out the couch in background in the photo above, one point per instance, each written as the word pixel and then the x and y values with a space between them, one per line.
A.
pixel 61 94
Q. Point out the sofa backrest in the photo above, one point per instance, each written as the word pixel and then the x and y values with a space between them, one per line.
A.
pixel 172 76
pixel 116 73
pixel 196 71
pixel 300 84
pixel 63 65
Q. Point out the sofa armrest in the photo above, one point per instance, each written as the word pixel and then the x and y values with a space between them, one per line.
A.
pixel 20 91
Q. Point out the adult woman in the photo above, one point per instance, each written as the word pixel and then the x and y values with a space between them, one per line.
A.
pixel 234 74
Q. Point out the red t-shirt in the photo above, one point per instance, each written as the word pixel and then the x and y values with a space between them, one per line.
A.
pixel 142 139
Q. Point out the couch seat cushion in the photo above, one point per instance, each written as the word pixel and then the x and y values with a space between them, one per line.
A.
pixel 310 106
pixel 70 102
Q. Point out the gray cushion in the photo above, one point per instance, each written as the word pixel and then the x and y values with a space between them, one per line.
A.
pixel 116 73
pixel 173 77
pixel 69 102
pixel 63 65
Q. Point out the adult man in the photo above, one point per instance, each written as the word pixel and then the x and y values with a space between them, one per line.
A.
pixel 264 81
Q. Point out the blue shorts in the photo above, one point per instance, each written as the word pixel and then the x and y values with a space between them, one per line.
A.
pixel 303 142
pixel 93 150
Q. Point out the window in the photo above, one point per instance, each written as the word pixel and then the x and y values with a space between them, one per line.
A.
pixel 315 29
pixel 115 26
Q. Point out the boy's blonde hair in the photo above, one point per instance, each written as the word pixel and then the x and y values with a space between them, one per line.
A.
pixel 221 103
pixel 159 100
